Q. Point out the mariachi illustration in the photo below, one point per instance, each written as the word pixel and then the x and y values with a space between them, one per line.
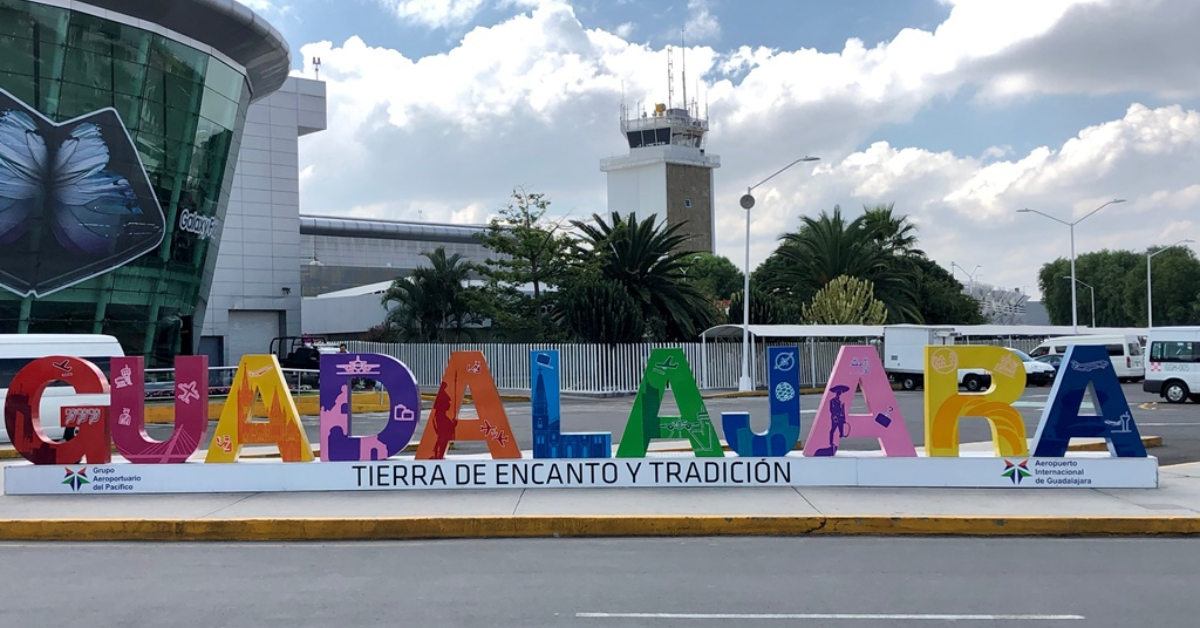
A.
pixel 75 201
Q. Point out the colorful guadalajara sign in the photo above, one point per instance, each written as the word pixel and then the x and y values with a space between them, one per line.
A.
pixel 350 461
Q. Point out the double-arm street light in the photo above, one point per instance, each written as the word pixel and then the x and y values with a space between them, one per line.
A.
pixel 1071 226
pixel 1093 300
pixel 747 202
pixel 970 275
pixel 1149 295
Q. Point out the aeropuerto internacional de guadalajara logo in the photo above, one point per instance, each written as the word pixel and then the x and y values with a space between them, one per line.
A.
pixel 1016 472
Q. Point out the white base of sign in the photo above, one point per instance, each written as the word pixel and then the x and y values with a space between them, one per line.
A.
pixel 1076 471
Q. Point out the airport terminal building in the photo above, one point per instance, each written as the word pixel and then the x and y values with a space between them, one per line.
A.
pixel 120 126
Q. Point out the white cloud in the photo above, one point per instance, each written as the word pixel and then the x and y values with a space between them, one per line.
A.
pixel 967 211
pixel 701 24
pixel 442 13
pixel 258 5
pixel 534 101
pixel 1101 47
pixel 267 6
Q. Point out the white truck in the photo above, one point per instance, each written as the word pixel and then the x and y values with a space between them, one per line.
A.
pixel 904 358
pixel 904 351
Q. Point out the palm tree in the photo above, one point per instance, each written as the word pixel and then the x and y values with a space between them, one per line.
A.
pixel 827 247
pixel 434 300
pixel 895 235
pixel 646 260
pixel 410 311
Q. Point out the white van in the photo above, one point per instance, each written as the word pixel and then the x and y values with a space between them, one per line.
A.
pixel 1174 371
pixel 1124 351
pixel 17 350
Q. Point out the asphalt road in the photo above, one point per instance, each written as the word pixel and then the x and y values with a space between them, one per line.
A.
pixel 609 583
pixel 1179 425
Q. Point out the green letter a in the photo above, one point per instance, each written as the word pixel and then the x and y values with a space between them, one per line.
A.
pixel 668 368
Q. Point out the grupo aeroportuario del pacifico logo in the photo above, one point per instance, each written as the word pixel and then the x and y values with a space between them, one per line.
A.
pixel 733 455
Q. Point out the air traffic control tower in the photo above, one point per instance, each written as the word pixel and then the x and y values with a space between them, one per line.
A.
pixel 667 172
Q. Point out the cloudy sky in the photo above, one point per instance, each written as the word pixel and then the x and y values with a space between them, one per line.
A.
pixel 958 111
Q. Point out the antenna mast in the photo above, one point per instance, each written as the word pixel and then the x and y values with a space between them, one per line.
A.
pixel 683 52
pixel 670 79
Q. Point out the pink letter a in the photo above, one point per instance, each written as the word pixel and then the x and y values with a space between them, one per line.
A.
pixel 855 367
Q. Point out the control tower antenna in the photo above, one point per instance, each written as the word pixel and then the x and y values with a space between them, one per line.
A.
pixel 670 79
pixel 683 52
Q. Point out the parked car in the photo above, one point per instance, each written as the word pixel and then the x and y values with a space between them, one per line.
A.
pixel 1036 374
pixel 1053 359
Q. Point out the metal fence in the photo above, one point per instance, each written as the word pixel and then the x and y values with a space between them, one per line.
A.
pixel 583 368
pixel 1022 344
pixel 160 382
pixel 600 369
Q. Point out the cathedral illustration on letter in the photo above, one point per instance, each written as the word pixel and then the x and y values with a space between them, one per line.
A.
pixel 548 439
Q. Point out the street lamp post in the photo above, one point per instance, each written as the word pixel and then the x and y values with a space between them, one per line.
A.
pixel 747 202
pixel 1071 226
pixel 1149 294
pixel 1093 300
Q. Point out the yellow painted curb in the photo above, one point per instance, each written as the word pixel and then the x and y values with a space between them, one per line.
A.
pixel 341 529
pixel 1147 442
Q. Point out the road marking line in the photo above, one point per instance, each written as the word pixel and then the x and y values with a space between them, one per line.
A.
pixel 834 616
pixel 1164 424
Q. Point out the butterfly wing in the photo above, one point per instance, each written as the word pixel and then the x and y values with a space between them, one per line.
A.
pixel 22 173
pixel 92 204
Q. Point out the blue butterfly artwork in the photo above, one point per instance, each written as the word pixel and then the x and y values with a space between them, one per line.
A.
pixel 75 201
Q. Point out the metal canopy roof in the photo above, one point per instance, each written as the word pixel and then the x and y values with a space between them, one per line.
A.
pixel 797 331
pixel 876 331
pixel 390 229
pixel 226 25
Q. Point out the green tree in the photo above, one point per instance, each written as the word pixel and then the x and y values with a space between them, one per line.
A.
pixel 766 308
pixel 827 247
pixel 644 259
pixel 769 277
pixel 714 275
pixel 940 296
pixel 434 304
pixel 1056 292
pixel 896 235
pixel 602 312
pixel 845 301
pixel 530 252
pixel 1119 280
pixel 1176 285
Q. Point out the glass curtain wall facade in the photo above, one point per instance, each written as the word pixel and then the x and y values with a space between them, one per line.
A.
pixel 184 112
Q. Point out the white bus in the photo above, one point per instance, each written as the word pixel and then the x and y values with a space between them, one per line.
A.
pixel 1174 371
pixel 1124 351
pixel 17 350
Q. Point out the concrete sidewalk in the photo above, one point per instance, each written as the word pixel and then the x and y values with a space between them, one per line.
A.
pixel 1174 508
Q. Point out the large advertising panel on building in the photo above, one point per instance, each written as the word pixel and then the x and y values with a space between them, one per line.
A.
pixel 75 201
